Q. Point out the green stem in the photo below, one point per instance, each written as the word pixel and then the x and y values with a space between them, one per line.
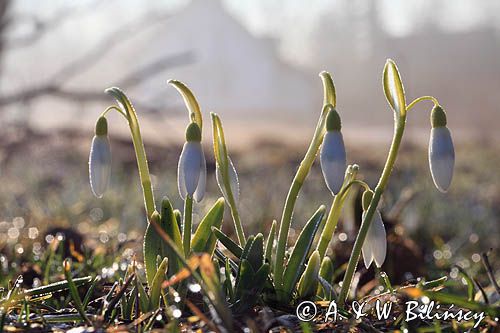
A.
pixel 334 216
pixel 140 153
pixel 420 99
pixel 236 217
pixel 187 225
pixel 400 123
pixel 298 181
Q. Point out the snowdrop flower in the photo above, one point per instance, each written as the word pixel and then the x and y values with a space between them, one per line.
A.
pixel 100 159
pixel 375 245
pixel 441 151
pixel 333 156
pixel 192 169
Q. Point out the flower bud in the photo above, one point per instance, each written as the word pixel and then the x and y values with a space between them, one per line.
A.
pixel 192 170
pixel 441 150
pixel 333 155
pixel 375 245
pixel 100 159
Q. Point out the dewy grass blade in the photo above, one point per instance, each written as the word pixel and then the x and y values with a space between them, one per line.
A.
pixel 74 291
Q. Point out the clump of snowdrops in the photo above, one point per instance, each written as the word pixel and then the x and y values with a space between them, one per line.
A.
pixel 235 276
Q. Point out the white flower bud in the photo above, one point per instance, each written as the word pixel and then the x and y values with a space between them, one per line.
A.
pixel 99 164
pixel 233 181
pixel 375 245
pixel 191 171
pixel 333 160
pixel 441 157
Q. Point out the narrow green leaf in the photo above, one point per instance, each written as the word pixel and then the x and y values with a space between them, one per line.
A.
pixel 270 243
pixel 153 246
pixel 204 239
pixel 190 101
pixel 393 88
pixel 256 252
pixel 90 291
pixel 309 280
pixel 295 266
pixel 155 291
pixel 143 296
pixel 234 248
pixel 228 283
pixel 245 280
pixel 55 287
pixel 77 301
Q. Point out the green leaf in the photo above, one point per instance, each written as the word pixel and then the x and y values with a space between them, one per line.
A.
pixel 143 296
pixel 269 243
pixel 295 266
pixel 245 279
pixel 153 246
pixel 190 101
pixel 234 248
pixel 77 301
pixel 256 252
pixel 204 239
pixel 155 291
pixel 326 269
pixel 309 280
pixel 393 88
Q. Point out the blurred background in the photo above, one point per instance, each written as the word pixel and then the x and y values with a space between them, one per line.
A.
pixel 256 63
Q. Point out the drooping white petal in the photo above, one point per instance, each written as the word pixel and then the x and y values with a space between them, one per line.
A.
pixel 375 245
pixel 379 240
pixel 99 165
pixel 188 171
pixel 233 181
pixel 367 252
pixel 441 157
pixel 333 160
pixel 200 189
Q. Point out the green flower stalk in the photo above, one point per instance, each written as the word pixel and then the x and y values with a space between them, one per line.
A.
pixel 300 176
pixel 395 95
pixel 192 169
pixel 100 159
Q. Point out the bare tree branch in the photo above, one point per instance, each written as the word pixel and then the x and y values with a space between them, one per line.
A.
pixel 55 86
pixel 42 27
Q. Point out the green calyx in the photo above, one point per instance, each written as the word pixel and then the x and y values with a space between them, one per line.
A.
pixel 333 122
pixel 193 133
pixel 367 199
pixel 438 117
pixel 101 127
